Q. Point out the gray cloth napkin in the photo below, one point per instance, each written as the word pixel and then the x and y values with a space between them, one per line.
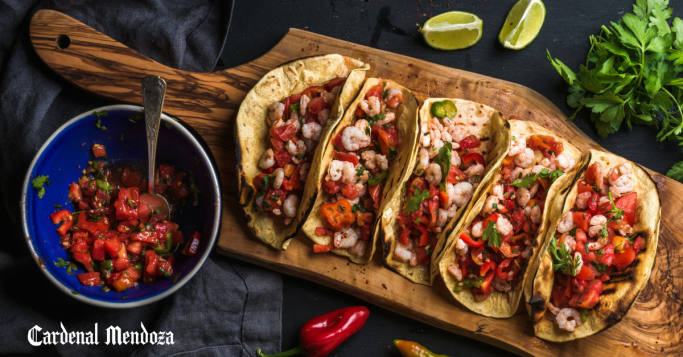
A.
pixel 229 308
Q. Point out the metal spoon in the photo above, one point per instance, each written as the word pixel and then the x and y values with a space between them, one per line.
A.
pixel 153 91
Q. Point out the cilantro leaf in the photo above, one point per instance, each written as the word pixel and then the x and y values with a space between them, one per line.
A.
pixel 38 183
pixel 492 236
pixel 677 28
pixel 443 159
pixel 414 203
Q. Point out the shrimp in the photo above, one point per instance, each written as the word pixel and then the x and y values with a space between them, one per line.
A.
pixel 267 160
pixel 596 223
pixel 523 196
pixel 435 134
pixel 568 242
pixel 599 173
pixel 395 97
pixel 277 212
pixel 450 191
pixel 382 162
pixel 461 247
pixel 361 188
pixel 517 173
pixel 436 147
pixel 603 199
pixel 567 223
pixel 582 200
pixel 371 106
pixel 534 213
pixel 312 131
pixel 340 196
pixel 328 97
pixel 564 316
pixel 517 145
pixel 498 190
pixel 275 111
pixel 504 226
pixel 364 177
pixel 303 171
pixel 441 217
pixel 291 205
pixel 564 162
pixel 622 185
pixel 525 158
pixel 462 192
pixel 405 253
pixel 538 168
pixel 474 171
pixel 458 132
pixel 334 172
pixel 598 244
pixel 294 120
pixel 354 139
pixel 490 205
pixel 452 211
pixel 373 160
pixel 323 116
pixel 455 271
pixel 579 263
pixel 358 249
pixel 348 173
pixel 309 145
pixel 259 201
pixel 534 188
pixel 501 285
pixel 549 164
pixel 346 238
pixel 279 177
pixel 387 119
pixel 425 138
pixel 423 161
pixel 625 230
pixel 445 136
pixel 295 149
pixel 478 229
pixel 433 174
pixel 303 104
pixel 455 158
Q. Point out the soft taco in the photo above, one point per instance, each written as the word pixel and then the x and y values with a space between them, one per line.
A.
pixel 490 255
pixel 600 250
pixel 460 143
pixel 278 129
pixel 363 164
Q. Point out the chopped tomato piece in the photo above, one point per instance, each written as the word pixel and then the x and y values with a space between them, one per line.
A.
pixel 322 248
pixel 359 113
pixel 131 178
pixel 343 156
pixel 375 91
pixel 322 231
pixel 594 172
pixel 473 157
pixel 192 245
pixel 112 246
pixel 97 252
pixel 294 181
pixel 127 203
pixel 388 139
pixel 606 254
pixel 455 175
pixel 282 158
pixel 145 236
pixel 591 295
pixel 283 132
pixel 628 203
pixel 82 223
pixel 376 194
pixel 546 144
pixel 316 105
pixel 84 258
pixel 151 262
pixel 313 91
pixel 90 279
pixel 443 198
pixel 75 192
pixel 334 82
pixel 624 258
pixel 332 187
pixel 587 272
pixel 581 219
pixel 274 199
pixel 350 192
pixel 123 283
pixel 134 247
pixel 338 214
pixel 98 150
pixel 469 142
pixel 122 262
pixel 277 144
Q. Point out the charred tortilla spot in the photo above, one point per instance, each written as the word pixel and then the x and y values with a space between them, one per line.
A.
pixel 608 291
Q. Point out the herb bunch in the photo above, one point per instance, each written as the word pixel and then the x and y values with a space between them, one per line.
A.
pixel 634 65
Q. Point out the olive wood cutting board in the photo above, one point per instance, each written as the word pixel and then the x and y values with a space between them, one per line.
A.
pixel 209 102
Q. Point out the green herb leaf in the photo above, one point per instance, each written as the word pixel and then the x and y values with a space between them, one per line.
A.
pixel 443 159
pixel 38 183
pixel 491 235
pixel 414 203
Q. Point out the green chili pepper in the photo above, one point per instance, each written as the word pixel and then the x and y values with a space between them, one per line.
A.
pixel 377 179
pixel 138 266
pixel 444 109
pixel 104 186
pixel 167 245
pixel 414 349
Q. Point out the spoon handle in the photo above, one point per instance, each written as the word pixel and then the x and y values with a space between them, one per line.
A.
pixel 153 91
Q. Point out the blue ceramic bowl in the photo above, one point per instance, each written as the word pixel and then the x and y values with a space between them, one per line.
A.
pixel 65 155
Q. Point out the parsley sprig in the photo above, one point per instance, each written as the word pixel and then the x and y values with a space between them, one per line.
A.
pixel 618 213
pixel 443 159
pixel 529 179
pixel 414 203
pixel 563 260
pixel 632 77
pixel 491 235
pixel 38 183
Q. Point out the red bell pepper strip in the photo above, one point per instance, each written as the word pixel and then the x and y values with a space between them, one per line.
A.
pixel 471 242
pixel 414 349
pixel 192 245
pixel 320 335
pixel 322 248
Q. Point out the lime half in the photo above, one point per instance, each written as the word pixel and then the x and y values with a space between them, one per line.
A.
pixel 452 30
pixel 523 24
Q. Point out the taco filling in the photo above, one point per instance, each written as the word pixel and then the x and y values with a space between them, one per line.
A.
pixel 363 153
pixel 493 250
pixel 450 165
pixel 296 124
pixel 592 240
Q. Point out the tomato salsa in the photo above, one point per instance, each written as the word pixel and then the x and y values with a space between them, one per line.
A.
pixel 116 239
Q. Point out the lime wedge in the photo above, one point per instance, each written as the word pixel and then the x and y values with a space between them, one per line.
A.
pixel 452 30
pixel 523 24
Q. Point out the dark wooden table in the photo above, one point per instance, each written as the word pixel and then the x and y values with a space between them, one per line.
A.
pixel 257 25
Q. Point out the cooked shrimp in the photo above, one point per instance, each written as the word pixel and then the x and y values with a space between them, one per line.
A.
pixel 478 229
pixel 275 111
pixel 474 171
pixel 598 244
pixel 455 158
pixel 371 106
pixel 312 131
pixel 462 192
pixel 422 161
pixel 596 223
pixel 303 104
pixel 517 146
pixel 458 132
pixel 498 190
pixel 501 285
pixel 436 147
pixel 603 199
pixel 579 263
pixel 354 139
pixel 534 213
pixel 309 145
pixel 564 162
pixel 433 174
pixel 534 188
pixel 259 200
pixel 504 226
pixel 387 119
pixel 358 249
pixel 567 223
pixel 625 230
pixel 582 200
pixel 295 149
pixel 536 169
pixel 425 138
pixel 525 158
pixel 445 136
pixel 549 164
pixel 328 97
pixel 303 171
pixel 517 173
pixel 348 173
pixel 621 186
pixel 554 310
pixel 323 116
pixel 441 217
pixel 455 271
pixel 277 212
pixel 294 120
pixel 491 205
pixel 395 97
pixel 435 134
pixel 452 211
pixel 364 177
pixel 291 205
pixel 568 319
pixel 405 253
pixel 267 160
pixel 568 242
pixel 279 177
pixel 599 175
pixel 450 191
pixel 523 196
pixel 461 247
pixel 346 238
pixel 334 172
pixel 382 162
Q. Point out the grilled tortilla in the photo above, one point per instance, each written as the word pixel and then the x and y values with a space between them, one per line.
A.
pixel 252 134
pixel 622 290
pixel 493 131
pixel 407 128
pixel 504 304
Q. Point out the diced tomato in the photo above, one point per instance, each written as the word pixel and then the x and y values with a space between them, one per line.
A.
pixel 65 217
pixel 134 247
pixel 98 150
pixel 274 199
pixel 84 258
pixel 624 258
pixel 80 246
pixel 473 157
pixel 316 105
pixel 607 256
pixel 433 205
pixel 337 141
pixel 443 198
pixel 493 217
pixel 164 267
pixel 417 183
pixel 97 252
pixel 277 144
pixel 455 175
pixel 75 192
pixel 90 279
pixel 103 224
pixel 593 203
pixel 133 273
pixel 112 246
pixel 365 232
pixel 388 139
pixel 313 91
pixel 558 296
pixel 127 203
pixel 123 283
pixel 581 219
pixel 594 171
pixel 82 223
pixel 359 113
pixel 332 187
pixel 283 158
pixel 469 142
pixel 145 236
pixel 322 231
pixel 485 289
pixel 375 91
pixel 338 215
pixel 192 245
pixel 322 248
pixel 584 187
pixel 334 82
pixel 546 144
pixel 587 272
pixel 283 132
pixel 125 227
pixel 350 192
pixel 581 236
pixel 257 181
pixel 628 203
pixel 404 237
pixel 343 156
pixel 167 172
pixel 151 262
pixel 376 194
pixel 591 295
pixel 131 178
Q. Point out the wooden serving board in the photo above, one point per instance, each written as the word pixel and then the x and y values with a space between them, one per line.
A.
pixel 209 102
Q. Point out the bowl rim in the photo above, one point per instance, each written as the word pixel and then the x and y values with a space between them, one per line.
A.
pixel 123 304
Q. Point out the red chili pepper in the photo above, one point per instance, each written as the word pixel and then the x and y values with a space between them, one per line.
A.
pixel 414 349
pixel 321 335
